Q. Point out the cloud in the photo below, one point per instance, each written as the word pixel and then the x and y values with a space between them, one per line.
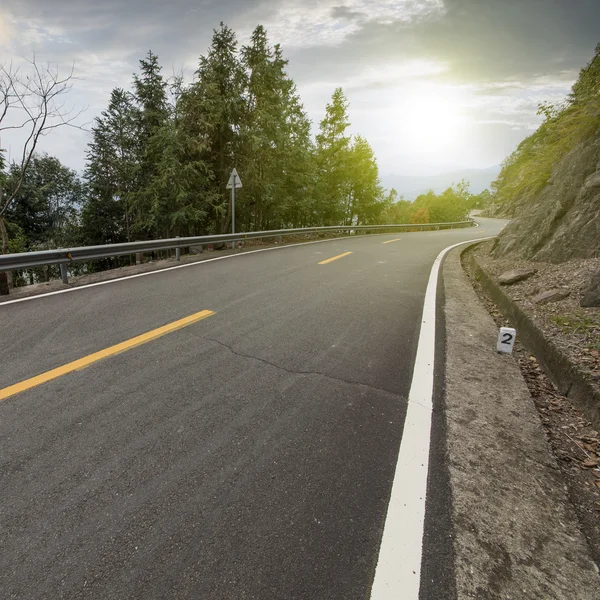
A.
pixel 500 56
pixel 6 31
pixel 327 23
pixel 343 12
pixel 482 40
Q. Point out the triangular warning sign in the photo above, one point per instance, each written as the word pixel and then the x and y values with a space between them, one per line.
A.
pixel 234 179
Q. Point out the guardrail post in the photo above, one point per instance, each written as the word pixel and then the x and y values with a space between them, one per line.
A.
pixel 178 253
pixel 63 273
pixel 4 284
pixel 139 258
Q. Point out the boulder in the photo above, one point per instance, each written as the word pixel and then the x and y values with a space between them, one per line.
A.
pixel 510 277
pixel 550 296
pixel 591 292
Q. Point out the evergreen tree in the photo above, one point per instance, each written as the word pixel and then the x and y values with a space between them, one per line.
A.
pixel 213 110
pixel 174 197
pixel 150 92
pixel 332 160
pixel 112 172
pixel 151 115
pixel 275 138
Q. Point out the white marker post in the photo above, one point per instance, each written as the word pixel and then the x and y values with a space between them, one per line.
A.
pixel 506 340
pixel 234 183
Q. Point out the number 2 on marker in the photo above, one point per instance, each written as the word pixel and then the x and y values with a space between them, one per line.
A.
pixel 506 340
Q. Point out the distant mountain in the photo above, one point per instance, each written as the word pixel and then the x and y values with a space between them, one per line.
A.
pixel 411 186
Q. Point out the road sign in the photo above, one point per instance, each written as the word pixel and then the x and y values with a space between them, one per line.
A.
pixel 234 179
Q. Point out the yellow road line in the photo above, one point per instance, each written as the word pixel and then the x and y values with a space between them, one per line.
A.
pixel 86 361
pixel 324 262
pixel 390 241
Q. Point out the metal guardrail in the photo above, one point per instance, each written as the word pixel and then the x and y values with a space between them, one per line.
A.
pixel 64 256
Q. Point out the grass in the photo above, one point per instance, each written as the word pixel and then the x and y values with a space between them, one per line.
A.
pixel 588 326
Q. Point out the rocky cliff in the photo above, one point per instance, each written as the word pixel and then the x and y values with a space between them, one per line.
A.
pixel 563 220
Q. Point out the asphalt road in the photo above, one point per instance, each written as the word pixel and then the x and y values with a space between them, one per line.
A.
pixel 247 455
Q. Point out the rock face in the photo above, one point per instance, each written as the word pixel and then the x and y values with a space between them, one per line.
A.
pixel 510 277
pixel 550 296
pixel 563 221
pixel 591 293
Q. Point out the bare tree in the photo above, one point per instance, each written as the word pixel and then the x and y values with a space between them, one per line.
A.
pixel 33 101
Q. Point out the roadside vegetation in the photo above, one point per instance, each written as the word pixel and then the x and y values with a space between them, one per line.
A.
pixel 528 169
pixel 161 153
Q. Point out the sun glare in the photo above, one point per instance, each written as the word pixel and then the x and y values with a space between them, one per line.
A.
pixel 430 118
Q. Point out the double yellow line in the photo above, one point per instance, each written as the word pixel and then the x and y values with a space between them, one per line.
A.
pixel 86 361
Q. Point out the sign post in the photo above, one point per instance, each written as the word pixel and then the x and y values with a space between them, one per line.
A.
pixel 234 183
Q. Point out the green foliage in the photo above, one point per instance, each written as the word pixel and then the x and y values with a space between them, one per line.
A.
pixel 420 215
pixel 162 152
pixel 585 326
pixel 452 205
pixel 158 165
pixel 363 202
pixel 332 159
pixel 527 170
pixel 482 200
pixel 44 213
pixel 275 153
pixel 213 111
pixel 396 211
pixel 112 173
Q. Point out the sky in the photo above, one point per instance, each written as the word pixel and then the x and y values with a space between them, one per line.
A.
pixel 434 85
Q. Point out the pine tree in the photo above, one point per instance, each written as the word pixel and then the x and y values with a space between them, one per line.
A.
pixel 151 115
pixel 276 138
pixel 150 92
pixel 175 195
pixel 213 112
pixel 112 172
pixel 332 158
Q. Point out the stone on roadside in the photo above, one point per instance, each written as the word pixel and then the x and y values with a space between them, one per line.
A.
pixel 591 292
pixel 550 296
pixel 510 277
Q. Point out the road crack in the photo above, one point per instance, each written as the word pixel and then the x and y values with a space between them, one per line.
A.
pixel 300 372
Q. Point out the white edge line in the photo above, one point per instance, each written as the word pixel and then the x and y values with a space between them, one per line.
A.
pixel 157 271
pixel 398 572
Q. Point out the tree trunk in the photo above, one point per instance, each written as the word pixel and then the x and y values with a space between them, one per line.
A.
pixel 5 248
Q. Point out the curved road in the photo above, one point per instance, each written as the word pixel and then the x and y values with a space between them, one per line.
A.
pixel 246 454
